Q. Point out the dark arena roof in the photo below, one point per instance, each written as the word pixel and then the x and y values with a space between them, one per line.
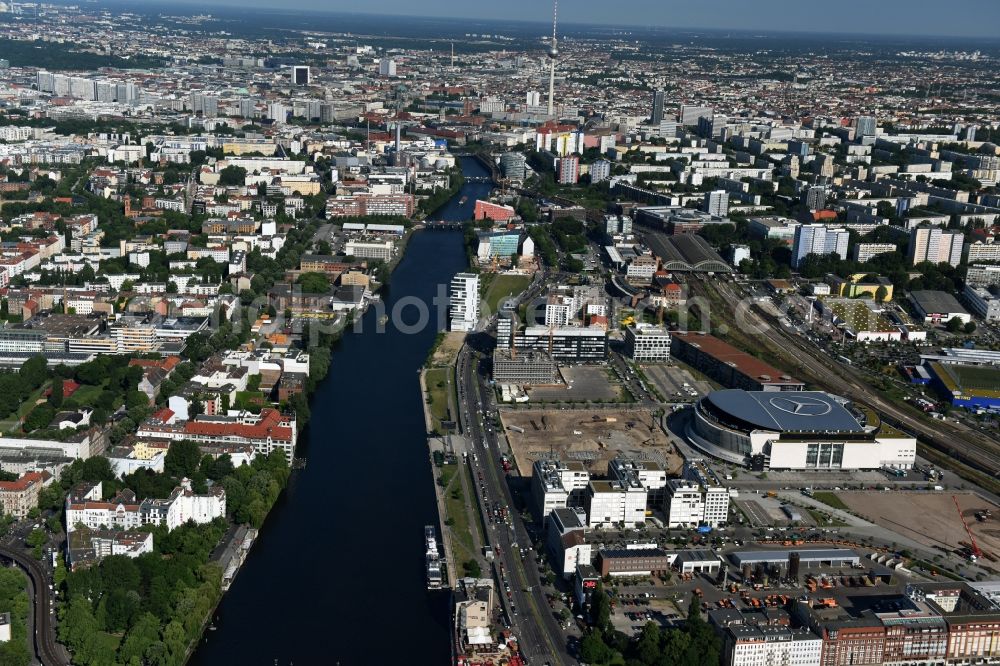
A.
pixel 784 411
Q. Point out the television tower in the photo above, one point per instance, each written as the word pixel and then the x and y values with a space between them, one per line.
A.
pixel 553 55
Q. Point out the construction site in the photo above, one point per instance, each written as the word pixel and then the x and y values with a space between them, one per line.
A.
pixel 590 436
pixel 939 520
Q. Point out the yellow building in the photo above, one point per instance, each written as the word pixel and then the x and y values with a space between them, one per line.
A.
pixel 246 146
pixel 857 286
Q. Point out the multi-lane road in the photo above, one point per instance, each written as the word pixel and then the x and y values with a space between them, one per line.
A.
pixel 47 651
pixel 520 590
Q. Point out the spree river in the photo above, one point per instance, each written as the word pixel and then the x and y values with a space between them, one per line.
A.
pixel 337 574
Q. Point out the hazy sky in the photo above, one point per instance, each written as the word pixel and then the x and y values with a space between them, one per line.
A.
pixel 908 17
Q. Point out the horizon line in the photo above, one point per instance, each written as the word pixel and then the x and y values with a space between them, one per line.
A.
pixel 745 31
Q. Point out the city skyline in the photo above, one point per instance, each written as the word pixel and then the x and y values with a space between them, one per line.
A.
pixel 889 18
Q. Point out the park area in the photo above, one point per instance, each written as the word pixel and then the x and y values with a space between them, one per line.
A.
pixel 930 518
pixel 440 384
pixel 498 288
pixel 592 437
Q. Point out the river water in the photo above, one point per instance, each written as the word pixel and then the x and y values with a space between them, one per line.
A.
pixel 337 573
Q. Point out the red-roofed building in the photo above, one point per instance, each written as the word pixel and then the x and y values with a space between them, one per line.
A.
pixel 491 211
pixel 69 388
pixel 168 363
pixel 165 416
pixel 269 431
pixel 19 497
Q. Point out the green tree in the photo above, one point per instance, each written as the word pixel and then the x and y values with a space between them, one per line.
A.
pixel 314 283
pixel 954 325
pixel 600 608
pixel 56 397
pixel 182 460
pixel 144 633
pixel 35 371
pixel 593 650
pixel 232 176
pixel 39 417
pixel 36 537
pixel 472 568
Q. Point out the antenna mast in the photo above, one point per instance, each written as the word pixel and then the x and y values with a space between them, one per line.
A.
pixel 553 54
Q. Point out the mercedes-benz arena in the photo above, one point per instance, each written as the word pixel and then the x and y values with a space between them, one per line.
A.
pixel 796 430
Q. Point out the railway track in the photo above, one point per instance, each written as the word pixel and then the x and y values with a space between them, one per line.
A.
pixel 970 448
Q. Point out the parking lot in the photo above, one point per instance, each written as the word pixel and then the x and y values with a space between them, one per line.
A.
pixel 583 383
pixel 764 511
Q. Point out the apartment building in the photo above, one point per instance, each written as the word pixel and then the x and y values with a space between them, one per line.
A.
pixel 84 506
pixel 983 276
pixel 864 252
pixel 755 645
pixel 20 496
pixel 464 301
pixel 266 432
pixel 936 246
pixel 819 239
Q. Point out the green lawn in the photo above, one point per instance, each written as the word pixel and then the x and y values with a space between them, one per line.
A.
pixel 821 519
pixel 830 499
pixel 86 395
pixel 455 509
pixel 503 287
pixel 437 390
pixel 476 516
pixel 29 404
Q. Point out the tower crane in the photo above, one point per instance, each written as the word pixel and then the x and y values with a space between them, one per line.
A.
pixel 973 546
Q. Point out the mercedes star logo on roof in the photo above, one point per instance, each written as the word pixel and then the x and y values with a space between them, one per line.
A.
pixel 801 405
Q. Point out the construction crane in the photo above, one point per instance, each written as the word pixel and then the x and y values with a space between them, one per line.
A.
pixel 973 546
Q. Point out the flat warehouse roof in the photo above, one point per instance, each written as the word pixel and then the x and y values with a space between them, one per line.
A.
pixel 741 361
pixel 937 302
pixel 808 556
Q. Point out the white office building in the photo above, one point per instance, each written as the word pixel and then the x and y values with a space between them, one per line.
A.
pixel 983 276
pixel 716 505
pixel 685 506
pixel 612 503
pixel 983 302
pixel 464 302
pixel 690 504
pixel 645 342
pixel 556 485
pixel 381 251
